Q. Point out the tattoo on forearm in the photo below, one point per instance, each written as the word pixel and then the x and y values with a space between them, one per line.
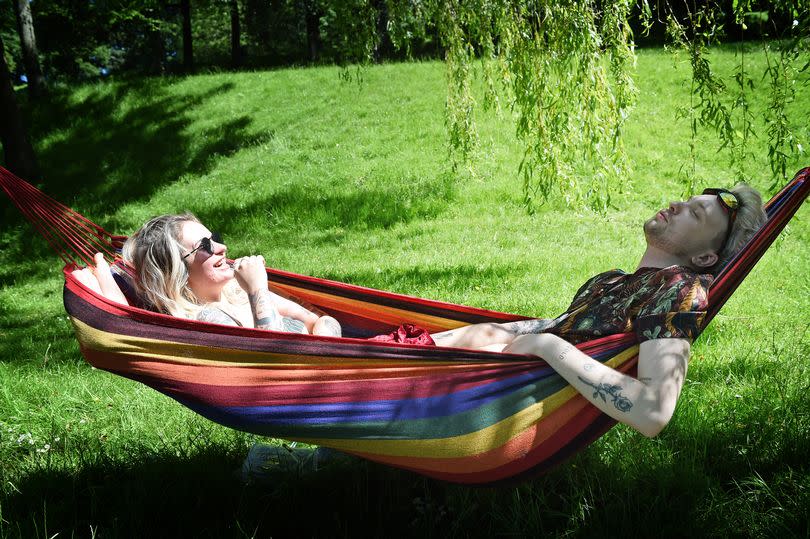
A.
pixel 526 327
pixel 265 313
pixel 622 403
pixel 292 325
pixel 567 348
pixel 589 366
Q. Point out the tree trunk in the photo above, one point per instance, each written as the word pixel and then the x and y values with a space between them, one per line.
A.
pixel 313 24
pixel 28 43
pixel 236 35
pixel 384 45
pixel 188 53
pixel 19 155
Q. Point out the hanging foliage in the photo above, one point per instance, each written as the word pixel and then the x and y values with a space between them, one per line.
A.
pixel 564 69
pixel 724 106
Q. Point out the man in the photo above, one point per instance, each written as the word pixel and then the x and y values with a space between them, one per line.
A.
pixel 664 302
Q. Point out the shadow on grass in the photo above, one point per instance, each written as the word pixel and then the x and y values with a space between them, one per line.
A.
pixel 411 280
pixel 322 213
pixel 200 496
pixel 126 140
pixel 29 334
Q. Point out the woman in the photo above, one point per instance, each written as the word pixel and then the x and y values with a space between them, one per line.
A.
pixel 182 271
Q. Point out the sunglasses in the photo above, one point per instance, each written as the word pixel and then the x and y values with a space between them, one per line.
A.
pixel 730 204
pixel 205 245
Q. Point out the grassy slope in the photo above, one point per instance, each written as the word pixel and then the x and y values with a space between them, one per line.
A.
pixel 351 183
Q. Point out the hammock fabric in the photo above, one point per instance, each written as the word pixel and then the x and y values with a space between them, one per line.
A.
pixel 458 415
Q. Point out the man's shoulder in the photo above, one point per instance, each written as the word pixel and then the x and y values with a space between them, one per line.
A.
pixel 673 275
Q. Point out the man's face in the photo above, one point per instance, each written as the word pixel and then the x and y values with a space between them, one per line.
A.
pixel 689 229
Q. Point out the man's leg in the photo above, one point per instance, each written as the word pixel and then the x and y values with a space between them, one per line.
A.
pixel 487 335
pixel 474 336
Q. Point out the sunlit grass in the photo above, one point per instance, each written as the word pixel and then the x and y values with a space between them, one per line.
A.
pixel 352 183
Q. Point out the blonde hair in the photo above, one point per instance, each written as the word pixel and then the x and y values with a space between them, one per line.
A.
pixel 156 254
pixel 750 218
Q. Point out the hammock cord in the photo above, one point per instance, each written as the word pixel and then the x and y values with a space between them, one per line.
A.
pixel 71 235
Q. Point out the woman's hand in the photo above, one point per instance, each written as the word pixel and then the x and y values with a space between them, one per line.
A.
pixel 250 273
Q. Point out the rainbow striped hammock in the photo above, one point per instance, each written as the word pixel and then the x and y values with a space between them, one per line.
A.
pixel 458 415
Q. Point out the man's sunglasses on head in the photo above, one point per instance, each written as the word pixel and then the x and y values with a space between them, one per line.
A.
pixel 730 204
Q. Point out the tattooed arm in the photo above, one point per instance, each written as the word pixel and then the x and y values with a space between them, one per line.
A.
pixel 646 403
pixel 316 325
pixel 291 309
pixel 265 313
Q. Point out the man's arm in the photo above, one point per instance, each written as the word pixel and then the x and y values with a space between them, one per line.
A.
pixel 646 403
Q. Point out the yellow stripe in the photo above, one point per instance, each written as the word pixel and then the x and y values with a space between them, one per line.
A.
pixel 194 354
pixel 457 446
pixel 469 444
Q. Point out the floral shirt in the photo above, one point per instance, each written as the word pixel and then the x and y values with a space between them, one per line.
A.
pixel 655 303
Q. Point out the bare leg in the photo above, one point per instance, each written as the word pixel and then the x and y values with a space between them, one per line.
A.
pixel 475 336
pixel 109 288
pixel 88 279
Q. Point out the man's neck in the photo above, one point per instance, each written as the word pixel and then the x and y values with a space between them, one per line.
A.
pixel 656 258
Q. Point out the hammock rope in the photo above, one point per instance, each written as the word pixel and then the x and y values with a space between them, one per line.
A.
pixel 459 415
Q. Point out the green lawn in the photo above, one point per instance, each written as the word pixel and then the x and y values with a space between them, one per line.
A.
pixel 352 183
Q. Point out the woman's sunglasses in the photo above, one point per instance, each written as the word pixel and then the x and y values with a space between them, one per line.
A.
pixel 730 203
pixel 205 245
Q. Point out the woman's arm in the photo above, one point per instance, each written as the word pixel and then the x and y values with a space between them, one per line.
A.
pixel 646 403
pixel 291 309
pixel 271 311
pixel 251 276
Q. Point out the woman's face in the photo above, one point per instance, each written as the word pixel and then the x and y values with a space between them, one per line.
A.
pixel 207 273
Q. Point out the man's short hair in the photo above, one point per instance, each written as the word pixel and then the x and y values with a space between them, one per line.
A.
pixel 750 218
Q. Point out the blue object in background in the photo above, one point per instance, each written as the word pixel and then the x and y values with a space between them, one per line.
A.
pixel 23 78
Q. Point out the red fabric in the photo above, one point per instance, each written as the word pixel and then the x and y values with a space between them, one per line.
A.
pixel 407 334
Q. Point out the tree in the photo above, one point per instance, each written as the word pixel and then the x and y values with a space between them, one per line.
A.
pixel 28 43
pixel 383 46
pixel 19 155
pixel 188 54
pixel 312 20
pixel 236 35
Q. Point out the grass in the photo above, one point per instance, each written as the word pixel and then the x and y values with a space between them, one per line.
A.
pixel 352 183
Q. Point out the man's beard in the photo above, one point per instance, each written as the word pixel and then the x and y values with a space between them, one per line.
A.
pixel 658 238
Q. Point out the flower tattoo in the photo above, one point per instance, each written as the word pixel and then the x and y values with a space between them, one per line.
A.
pixel 622 403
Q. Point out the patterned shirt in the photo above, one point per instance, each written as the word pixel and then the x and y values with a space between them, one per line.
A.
pixel 655 303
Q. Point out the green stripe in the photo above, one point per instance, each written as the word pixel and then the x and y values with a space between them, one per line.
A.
pixel 466 422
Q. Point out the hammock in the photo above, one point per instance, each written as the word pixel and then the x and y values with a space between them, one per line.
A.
pixel 458 415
